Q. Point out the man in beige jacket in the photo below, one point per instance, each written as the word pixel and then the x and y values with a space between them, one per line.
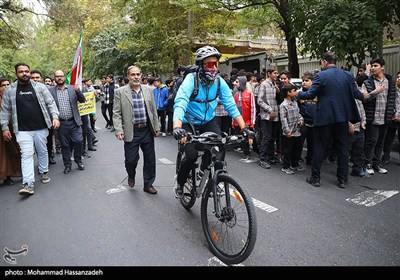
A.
pixel 136 122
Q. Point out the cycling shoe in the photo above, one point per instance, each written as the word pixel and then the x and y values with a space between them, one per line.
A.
pixel 178 191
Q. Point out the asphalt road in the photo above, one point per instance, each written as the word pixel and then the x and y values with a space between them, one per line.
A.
pixel 91 218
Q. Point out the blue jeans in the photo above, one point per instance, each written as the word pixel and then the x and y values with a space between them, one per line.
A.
pixel 29 141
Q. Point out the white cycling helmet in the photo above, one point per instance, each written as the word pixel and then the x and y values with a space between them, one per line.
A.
pixel 205 52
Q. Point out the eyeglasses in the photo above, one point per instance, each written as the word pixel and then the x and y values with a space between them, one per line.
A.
pixel 210 64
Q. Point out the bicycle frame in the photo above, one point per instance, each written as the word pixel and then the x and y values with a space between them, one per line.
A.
pixel 229 223
pixel 208 178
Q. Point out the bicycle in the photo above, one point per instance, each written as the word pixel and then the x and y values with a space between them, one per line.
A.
pixel 228 221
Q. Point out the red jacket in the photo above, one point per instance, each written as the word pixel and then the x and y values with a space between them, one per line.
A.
pixel 247 107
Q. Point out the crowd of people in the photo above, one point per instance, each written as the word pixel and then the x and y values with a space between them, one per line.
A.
pixel 344 119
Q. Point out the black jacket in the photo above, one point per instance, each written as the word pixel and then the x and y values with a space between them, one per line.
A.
pixel 370 105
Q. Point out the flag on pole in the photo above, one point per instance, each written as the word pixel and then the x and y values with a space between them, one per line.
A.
pixel 76 71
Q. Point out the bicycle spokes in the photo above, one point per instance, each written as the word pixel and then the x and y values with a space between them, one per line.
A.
pixel 230 221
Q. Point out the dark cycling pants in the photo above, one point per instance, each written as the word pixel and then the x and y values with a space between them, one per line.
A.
pixel 191 153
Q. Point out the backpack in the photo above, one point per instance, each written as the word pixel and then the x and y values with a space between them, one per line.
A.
pixel 193 69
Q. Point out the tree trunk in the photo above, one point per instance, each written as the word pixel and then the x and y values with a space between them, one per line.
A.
pixel 293 62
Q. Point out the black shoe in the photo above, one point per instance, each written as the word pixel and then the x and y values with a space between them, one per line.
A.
pixel 313 181
pixel 94 130
pixel 131 183
pixel 272 160
pixel 264 164
pixel 150 190
pixel 52 161
pixel 85 155
pixel 95 141
pixel 81 166
pixel 9 182
pixel 67 169
pixel 362 174
pixel 92 149
pixel 343 184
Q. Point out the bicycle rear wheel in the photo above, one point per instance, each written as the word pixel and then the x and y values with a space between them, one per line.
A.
pixel 233 234
pixel 188 198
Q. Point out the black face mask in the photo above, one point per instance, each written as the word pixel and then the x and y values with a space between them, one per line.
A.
pixel 206 77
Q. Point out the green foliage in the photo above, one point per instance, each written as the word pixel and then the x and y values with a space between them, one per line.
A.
pixel 348 28
pixel 109 54
pixel 11 14
pixel 156 35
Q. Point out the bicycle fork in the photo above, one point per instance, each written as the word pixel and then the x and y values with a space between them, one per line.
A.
pixel 222 213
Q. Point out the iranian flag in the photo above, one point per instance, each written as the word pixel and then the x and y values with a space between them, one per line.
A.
pixel 75 75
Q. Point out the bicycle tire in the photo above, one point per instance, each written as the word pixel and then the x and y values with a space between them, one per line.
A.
pixel 231 239
pixel 188 198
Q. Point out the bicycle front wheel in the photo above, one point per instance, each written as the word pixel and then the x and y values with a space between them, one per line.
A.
pixel 229 220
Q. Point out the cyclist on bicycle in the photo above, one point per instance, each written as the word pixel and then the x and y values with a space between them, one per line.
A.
pixel 195 107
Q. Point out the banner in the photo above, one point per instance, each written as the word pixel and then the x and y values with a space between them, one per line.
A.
pixel 89 106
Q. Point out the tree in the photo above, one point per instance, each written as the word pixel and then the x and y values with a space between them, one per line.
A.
pixel 10 13
pixel 156 35
pixel 352 29
pixel 283 21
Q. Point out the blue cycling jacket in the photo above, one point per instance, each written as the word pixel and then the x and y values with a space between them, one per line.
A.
pixel 202 112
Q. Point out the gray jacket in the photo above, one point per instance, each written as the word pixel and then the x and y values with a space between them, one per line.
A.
pixel 9 105
pixel 123 111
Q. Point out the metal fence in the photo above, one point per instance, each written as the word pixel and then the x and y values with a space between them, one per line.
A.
pixel 391 55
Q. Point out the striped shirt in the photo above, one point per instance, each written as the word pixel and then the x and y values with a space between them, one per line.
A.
pixel 138 108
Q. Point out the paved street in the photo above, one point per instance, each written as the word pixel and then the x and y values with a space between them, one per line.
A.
pixel 91 218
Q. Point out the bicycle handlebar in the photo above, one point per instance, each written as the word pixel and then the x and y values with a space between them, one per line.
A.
pixel 212 140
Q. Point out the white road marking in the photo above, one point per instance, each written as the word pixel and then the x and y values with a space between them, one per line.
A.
pixel 264 206
pixel 214 261
pixel 165 161
pixel 371 197
pixel 119 188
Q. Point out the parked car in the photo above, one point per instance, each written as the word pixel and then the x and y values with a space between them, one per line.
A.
pixel 297 82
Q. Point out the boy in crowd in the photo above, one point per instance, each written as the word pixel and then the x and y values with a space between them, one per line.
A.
pixel 307 110
pixel 291 120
